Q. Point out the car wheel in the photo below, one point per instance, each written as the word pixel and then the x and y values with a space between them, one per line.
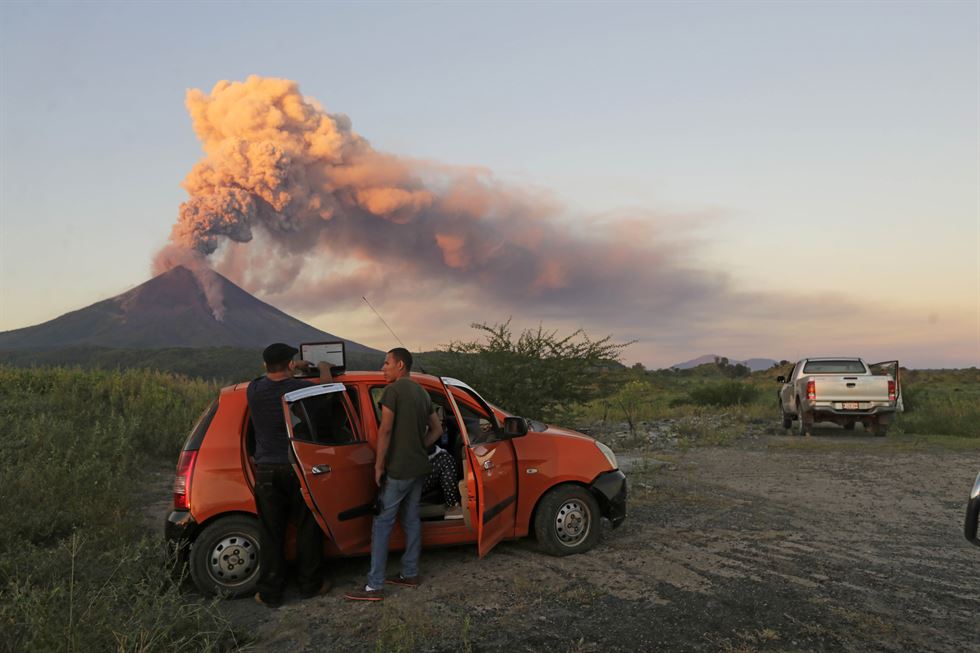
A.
pixel 567 521
pixel 224 559
pixel 848 426
pixel 787 418
pixel 805 421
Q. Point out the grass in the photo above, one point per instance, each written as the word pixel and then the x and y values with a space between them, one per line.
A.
pixel 77 571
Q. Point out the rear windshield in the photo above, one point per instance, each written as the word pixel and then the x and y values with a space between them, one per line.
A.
pixel 834 367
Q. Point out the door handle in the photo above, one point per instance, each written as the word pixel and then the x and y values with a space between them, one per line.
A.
pixel 321 469
pixel 488 465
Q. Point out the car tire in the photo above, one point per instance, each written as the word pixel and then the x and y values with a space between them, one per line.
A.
pixel 805 425
pixel 848 426
pixel 567 521
pixel 224 559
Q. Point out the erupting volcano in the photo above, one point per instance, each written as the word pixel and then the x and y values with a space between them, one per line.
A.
pixel 172 310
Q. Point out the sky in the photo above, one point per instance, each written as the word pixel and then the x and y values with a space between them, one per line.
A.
pixel 748 179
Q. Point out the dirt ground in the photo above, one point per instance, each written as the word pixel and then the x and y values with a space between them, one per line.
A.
pixel 837 542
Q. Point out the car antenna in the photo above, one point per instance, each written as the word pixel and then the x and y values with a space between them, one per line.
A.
pixel 422 369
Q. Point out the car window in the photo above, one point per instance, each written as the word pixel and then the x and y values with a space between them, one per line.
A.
pixel 322 419
pixel 438 401
pixel 834 367
pixel 479 426
pixel 376 392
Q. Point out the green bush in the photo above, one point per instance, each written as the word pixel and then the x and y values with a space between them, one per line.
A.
pixel 76 571
pixel 537 375
pixel 729 393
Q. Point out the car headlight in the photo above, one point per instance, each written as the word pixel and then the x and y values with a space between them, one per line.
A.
pixel 608 453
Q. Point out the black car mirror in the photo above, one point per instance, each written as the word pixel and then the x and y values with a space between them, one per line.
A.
pixel 515 427
pixel 781 379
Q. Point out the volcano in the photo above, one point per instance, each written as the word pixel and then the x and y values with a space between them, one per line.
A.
pixel 171 310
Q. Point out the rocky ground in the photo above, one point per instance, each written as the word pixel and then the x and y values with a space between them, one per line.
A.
pixel 837 542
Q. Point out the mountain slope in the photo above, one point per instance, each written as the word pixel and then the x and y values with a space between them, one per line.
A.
pixel 171 310
pixel 754 364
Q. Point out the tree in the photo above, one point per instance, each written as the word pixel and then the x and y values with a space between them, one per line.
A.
pixel 536 375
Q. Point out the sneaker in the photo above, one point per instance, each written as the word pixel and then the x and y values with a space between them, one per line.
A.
pixel 412 581
pixel 265 601
pixel 365 594
pixel 454 512
pixel 323 589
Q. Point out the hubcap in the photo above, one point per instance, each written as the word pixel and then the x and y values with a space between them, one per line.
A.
pixel 573 522
pixel 234 559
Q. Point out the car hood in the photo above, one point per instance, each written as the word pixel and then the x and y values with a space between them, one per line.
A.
pixel 566 433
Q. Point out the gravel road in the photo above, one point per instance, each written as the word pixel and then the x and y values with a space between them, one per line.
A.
pixel 839 542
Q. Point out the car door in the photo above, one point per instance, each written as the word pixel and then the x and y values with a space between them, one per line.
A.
pixel 892 369
pixel 786 392
pixel 334 463
pixel 492 462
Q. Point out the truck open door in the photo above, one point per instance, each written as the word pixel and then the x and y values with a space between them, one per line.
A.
pixel 334 464
pixel 492 461
pixel 892 369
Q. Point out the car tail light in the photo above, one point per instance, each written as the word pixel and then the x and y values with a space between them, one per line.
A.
pixel 811 390
pixel 891 391
pixel 182 481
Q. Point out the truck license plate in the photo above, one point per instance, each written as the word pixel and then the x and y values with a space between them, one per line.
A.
pixel 851 405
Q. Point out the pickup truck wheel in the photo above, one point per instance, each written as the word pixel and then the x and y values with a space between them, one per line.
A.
pixel 805 425
pixel 567 521
pixel 224 559
pixel 848 426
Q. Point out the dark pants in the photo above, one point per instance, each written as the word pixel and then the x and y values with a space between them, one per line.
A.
pixel 279 501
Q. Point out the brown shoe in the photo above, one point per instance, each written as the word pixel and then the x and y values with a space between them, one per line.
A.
pixel 414 581
pixel 365 595
pixel 323 589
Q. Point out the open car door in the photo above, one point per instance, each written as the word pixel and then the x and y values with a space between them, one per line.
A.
pixel 492 461
pixel 892 369
pixel 334 464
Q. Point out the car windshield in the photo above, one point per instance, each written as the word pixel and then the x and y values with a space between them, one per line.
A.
pixel 834 367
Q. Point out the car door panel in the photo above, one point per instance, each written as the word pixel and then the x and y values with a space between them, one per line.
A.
pixel 493 471
pixel 335 468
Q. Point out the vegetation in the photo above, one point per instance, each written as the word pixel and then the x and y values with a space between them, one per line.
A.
pixel 537 375
pixel 223 365
pixel 76 569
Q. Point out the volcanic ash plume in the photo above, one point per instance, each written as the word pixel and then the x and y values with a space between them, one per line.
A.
pixel 319 196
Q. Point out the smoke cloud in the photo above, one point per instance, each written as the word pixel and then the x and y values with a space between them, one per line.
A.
pixel 329 218
pixel 319 196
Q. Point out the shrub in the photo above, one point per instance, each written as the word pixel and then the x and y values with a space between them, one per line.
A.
pixel 537 375
pixel 730 393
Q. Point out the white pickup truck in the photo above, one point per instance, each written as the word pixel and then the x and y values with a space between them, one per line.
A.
pixel 840 390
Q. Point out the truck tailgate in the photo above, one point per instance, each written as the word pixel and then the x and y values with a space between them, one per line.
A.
pixel 851 388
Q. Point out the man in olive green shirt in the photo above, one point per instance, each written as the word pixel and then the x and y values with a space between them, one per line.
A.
pixel 409 426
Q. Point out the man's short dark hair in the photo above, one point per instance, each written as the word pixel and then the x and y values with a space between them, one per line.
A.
pixel 277 356
pixel 403 355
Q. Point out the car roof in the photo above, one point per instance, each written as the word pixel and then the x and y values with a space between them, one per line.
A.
pixel 357 376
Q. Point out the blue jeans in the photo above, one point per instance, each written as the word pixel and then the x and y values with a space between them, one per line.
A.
pixel 405 493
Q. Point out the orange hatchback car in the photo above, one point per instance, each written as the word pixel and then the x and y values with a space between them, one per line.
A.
pixel 515 476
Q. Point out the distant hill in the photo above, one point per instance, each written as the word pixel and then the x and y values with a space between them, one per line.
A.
pixel 171 310
pixel 754 364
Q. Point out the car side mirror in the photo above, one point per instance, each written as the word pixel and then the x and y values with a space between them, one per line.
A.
pixel 781 379
pixel 515 427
